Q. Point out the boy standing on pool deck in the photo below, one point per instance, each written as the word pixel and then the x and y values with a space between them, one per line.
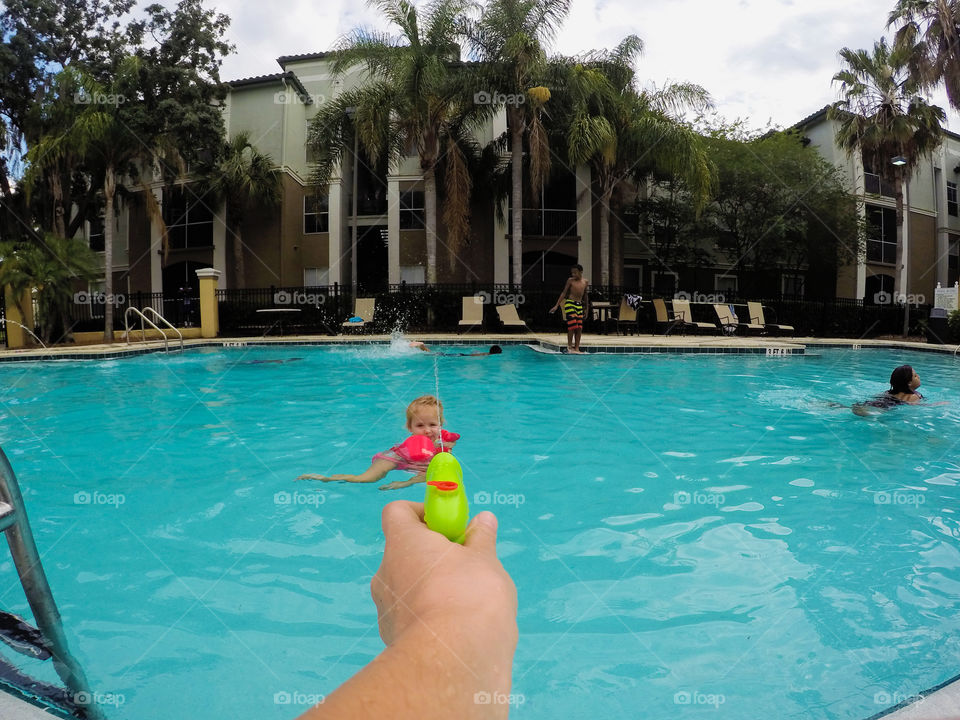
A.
pixel 574 297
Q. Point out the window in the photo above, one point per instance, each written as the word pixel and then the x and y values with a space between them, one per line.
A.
pixel 316 276
pixel 664 283
pixel 881 235
pixel 411 210
pixel 413 274
pixel 316 214
pixel 633 277
pixel 953 260
pixel 189 221
pixel 873 183
pixel 311 156
pixel 952 198
pixel 725 283
pixel 95 235
pixel 556 215
pixel 791 286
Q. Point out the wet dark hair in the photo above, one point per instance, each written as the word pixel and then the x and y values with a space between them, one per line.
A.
pixel 495 350
pixel 578 267
pixel 900 380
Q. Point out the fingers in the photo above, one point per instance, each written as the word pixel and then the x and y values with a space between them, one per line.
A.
pixel 482 533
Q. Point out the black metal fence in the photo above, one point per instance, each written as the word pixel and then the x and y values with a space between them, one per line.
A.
pixel 438 308
pixel 86 313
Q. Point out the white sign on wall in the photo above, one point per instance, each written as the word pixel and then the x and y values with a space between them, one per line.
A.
pixel 945 298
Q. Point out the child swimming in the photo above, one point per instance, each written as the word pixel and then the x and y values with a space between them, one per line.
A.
pixel 424 418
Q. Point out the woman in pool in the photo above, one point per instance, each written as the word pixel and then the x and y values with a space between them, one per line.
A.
pixel 904 382
pixel 424 417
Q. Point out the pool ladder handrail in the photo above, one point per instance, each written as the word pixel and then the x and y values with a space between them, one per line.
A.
pixel 16 528
pixel 144 318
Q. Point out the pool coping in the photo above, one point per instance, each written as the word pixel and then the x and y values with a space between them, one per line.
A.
pixel 553 343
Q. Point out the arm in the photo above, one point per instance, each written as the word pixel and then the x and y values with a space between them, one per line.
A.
pixel 447 615
pixel 563 294
pixel 376 471
pixel 586 299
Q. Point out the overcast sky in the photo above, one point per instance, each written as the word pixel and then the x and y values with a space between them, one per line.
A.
pixel 761 60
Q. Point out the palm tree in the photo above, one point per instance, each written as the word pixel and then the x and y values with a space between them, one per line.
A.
pixel 51 268
pixel 883 116
pixel 626 135
pixel 112 139
pixel 510 41
pixel 239 177
pixel 932 29
pixel 410 99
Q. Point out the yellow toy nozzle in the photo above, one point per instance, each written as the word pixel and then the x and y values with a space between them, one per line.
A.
pixel 445 508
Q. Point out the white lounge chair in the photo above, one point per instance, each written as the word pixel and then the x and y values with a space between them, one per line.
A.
pixel 472 312
pixel 363 308
pixel 509 317
pixel 756 316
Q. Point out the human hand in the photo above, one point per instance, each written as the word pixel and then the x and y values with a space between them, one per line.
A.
pixel 426 580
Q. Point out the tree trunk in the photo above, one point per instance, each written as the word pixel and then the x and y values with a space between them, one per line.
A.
pixel 109 188
pixel 238 269
pixel 897 285
pixel 430 221
pixel 616 241
pixel 605 237
pixel 56 189
pixel 516 197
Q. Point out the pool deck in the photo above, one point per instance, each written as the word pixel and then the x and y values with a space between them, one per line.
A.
pixel 550 342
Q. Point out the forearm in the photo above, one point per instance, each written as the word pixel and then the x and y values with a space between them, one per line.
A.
pixel 434 671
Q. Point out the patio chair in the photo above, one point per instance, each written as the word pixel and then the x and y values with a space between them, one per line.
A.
pixel 756 316
pixel 667 321
pixel 626 316
pixel 730 323
pixel 472 313
pixel 363 308
pixel 681 308
pixel 509 317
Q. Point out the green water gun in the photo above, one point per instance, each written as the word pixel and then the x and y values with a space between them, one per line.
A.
pixel 445 508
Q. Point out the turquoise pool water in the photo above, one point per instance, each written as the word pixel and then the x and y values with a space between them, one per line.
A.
pixel 690 535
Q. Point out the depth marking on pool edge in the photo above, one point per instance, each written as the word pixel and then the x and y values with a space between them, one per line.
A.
pixel 235 344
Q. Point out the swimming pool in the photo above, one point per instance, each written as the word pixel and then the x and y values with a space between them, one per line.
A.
pixel 687 533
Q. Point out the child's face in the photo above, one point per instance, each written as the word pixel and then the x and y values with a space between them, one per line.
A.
pixel 425 423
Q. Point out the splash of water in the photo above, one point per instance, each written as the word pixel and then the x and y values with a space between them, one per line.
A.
pixel 32 334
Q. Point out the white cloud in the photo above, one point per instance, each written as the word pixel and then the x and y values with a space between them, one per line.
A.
pixel 760 60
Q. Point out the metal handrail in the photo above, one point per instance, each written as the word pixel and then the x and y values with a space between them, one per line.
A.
pixel 23 549
pixel 145 319
pixel 162 319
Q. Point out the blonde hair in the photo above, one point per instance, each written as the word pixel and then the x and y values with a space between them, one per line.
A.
pixel 427 402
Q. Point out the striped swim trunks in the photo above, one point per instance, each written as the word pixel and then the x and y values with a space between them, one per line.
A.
pixel 573 311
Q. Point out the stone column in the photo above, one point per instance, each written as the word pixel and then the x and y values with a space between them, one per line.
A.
pixel 209 310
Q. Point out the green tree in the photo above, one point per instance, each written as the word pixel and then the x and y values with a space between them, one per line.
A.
pixel 625 134
pixel 240 176
pixel 510 41
pixel 882 115
pixel 51 268
pixel 410 98
pixel 931 30
pixel 778 206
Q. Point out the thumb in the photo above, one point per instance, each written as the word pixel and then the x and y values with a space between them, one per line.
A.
pixel 482 533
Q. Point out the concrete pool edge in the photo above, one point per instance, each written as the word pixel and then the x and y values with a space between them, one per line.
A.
pixel 939 702
pixel 778 347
